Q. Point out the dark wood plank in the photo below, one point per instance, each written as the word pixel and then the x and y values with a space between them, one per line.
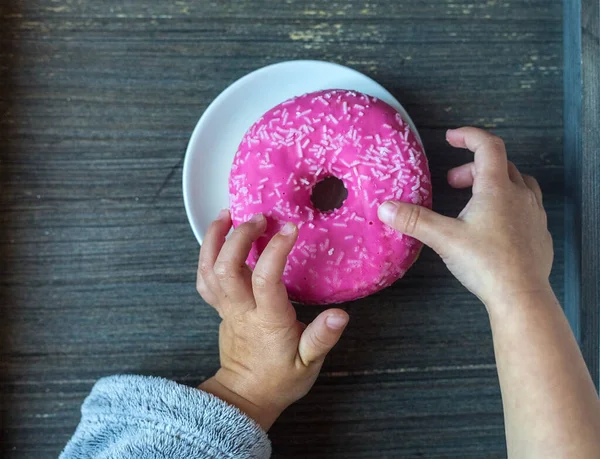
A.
pixel 582 169
pixel 97 102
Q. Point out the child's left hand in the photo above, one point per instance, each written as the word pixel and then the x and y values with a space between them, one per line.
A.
pixel 269 360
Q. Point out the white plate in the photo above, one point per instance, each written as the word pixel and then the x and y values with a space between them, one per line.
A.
pixel 221 128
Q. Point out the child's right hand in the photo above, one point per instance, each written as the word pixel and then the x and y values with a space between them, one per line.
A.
pixel 499 246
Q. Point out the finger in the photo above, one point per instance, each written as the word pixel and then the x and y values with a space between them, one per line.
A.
pixel 534 186
pixel 462 176
pixel 270 293
pixel 213 242
pixel 321 335
pixel 205 292
pixel 514 174
pixel 419 222
pixel 490 153
pixel 230 267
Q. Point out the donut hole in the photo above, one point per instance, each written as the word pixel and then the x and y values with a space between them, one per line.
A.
pixel 328 194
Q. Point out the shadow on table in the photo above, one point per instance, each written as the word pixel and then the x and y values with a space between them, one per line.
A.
pixel 8 57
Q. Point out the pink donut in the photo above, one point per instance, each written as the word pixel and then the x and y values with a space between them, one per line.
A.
pixel 284 166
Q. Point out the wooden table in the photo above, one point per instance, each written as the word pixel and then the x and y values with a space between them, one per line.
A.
pixel 97 102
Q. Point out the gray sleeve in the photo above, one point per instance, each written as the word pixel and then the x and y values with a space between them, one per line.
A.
pixel 153 418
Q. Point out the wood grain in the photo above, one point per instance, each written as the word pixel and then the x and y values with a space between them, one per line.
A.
pixel 97 102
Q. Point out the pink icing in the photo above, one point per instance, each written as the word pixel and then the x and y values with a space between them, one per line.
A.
pixel 347 253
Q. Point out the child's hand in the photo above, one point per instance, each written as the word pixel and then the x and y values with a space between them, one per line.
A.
pixel 268 359
pixel 499 246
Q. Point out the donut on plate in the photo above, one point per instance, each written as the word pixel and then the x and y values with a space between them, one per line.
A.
pixel 326 161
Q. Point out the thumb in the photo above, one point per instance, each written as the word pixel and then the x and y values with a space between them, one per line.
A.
pixel 321 335
pixel 419 222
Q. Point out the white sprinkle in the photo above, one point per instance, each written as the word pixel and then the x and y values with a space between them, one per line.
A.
pixel 297 188
pixel 304 181
pixel 333 120
pixel 289 178
pixel 305 144
pixel 378 139
pixel 359 107
pixel 339 258
pixel 299 149
pixel 340 225
pixel 324 230
pixel 387 126
pixel 417 184
pixel 345 107
pixel 359 219
pixel 373 202
pixel 304 113
pixel 330 252
pixel 349 237
pixel 311 226
pixel 298 164
pixel 265 180
pixel 278 193
pixel 320 99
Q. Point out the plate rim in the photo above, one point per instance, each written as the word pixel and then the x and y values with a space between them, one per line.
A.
pixel 239 82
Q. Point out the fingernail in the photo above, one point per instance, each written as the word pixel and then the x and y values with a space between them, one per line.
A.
pixel 258 218
pixel 387 212
pixel 223 214
pixel 288 229
pixel 336 322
